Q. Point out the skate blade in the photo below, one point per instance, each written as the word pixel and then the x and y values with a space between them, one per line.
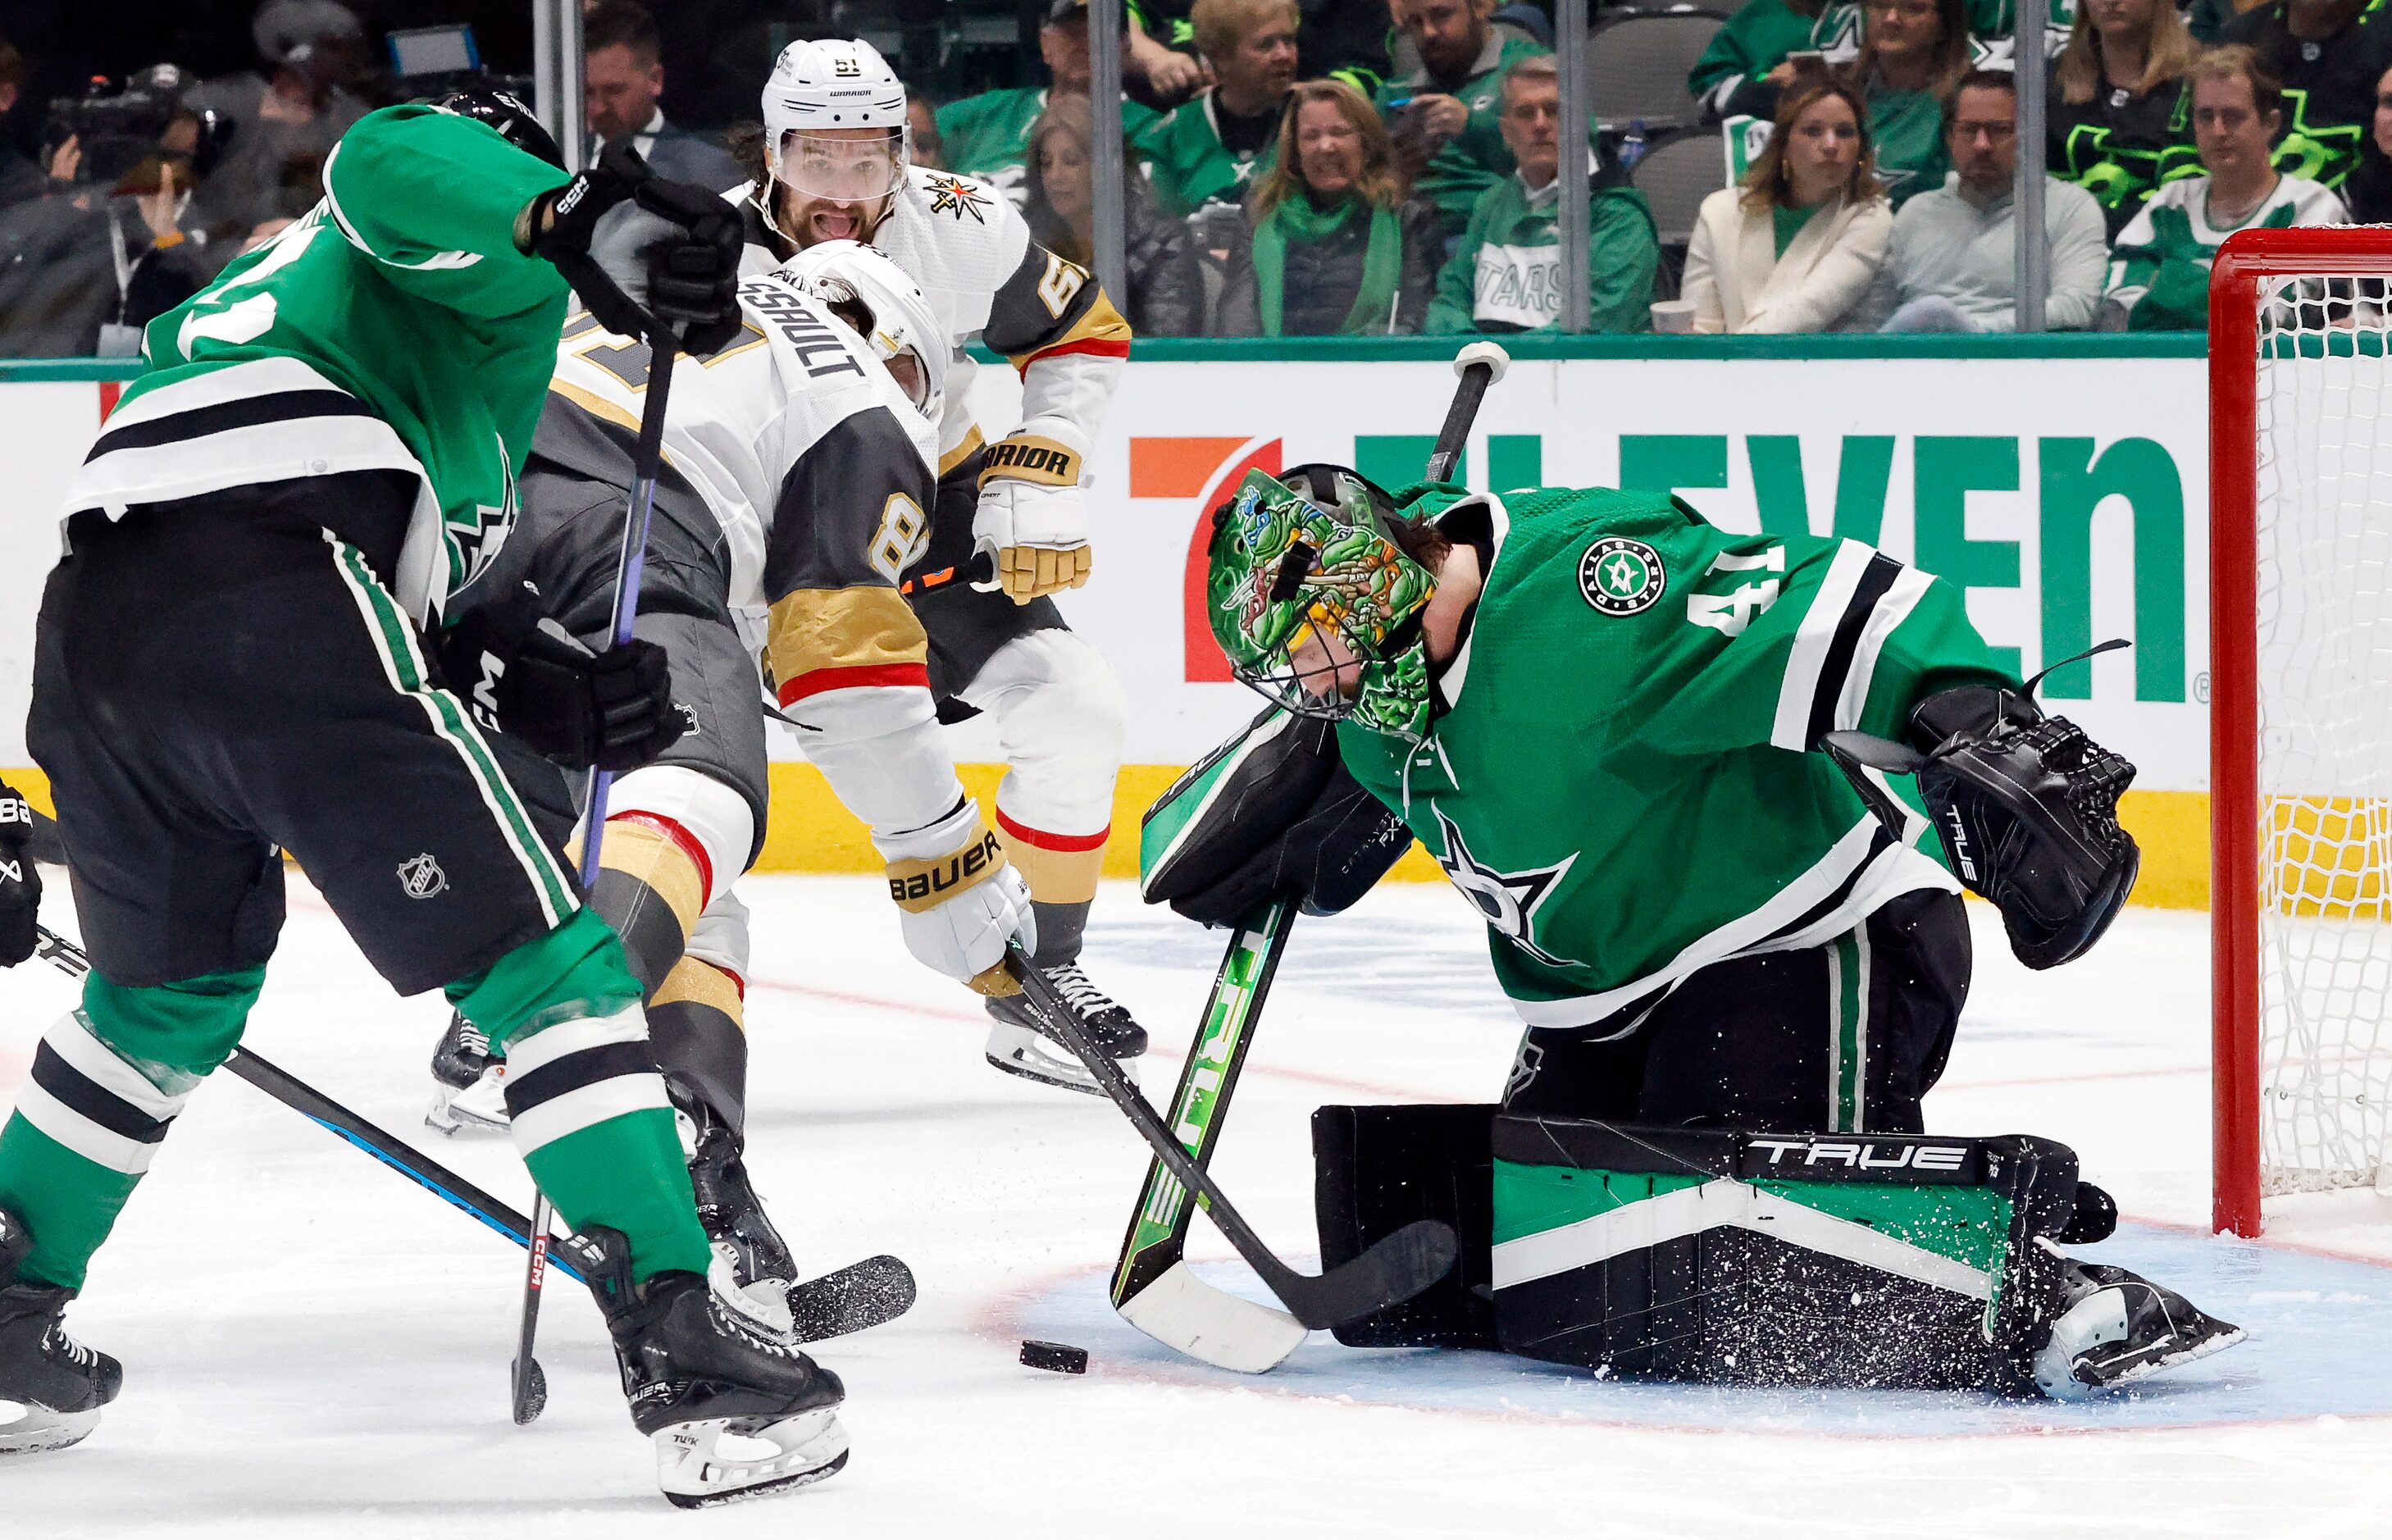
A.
pixel 479 1108
pixel 29 1429
pixel 695 1471
pixel 1020 1050
pixel 2142 1369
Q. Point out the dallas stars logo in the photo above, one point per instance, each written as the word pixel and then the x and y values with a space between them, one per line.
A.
pixel 1507 899
pixel 1620 576
pixel 950 196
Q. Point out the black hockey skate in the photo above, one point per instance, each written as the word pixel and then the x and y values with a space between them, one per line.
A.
pixel 51 1386
pixel 696 1372
pixel 470 1081
pixel 745 1245
pixel 1019 1044
pixel 2115 1327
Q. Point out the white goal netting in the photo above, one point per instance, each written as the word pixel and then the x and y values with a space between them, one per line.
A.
pixel 2324 506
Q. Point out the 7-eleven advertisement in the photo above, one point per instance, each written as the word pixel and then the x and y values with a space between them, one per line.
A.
pixel 2067 498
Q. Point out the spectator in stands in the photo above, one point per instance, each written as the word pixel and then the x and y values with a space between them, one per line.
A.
pixel 19 177
pixel 2205 19
pixel 1912 53
pixel 2368 190
pixel 284 122
pixel 1206 151
pixel 1797 245
pixel 1336 247
pixel 1507 274
pixel 988 135
pixel 1165 290
pixel 2120 119
pixel 1159 62
pixel 1442 115
pixel 2159 271
pixel 1952 264
pixel 927 149
pixel 1766 42
pixel 2326 54
pixel 622 78
pixel 105 249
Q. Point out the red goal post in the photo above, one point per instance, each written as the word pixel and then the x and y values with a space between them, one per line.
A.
pixel 2250 294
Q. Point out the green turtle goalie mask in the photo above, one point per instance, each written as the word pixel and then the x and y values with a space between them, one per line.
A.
pixel 1296 580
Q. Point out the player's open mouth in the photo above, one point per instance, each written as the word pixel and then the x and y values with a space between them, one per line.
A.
pixel 836 225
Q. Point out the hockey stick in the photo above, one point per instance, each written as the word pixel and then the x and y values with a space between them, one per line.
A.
pixel 1152 1288
pixel 530 1386
pixel 1394 1269
pixel 851 1299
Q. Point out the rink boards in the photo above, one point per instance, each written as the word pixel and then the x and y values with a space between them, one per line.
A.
pixel 2062 482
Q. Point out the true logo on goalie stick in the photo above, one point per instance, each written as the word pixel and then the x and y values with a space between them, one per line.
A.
pixel 1858 1155
pixel 1620 576
pixel 420 877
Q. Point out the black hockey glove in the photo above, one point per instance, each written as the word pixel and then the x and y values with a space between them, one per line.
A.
pixel 2027 807
pixel 21 880
pixel 673 258
pixel 524 675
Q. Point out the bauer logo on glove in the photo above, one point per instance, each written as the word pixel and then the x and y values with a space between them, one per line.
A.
pixel 916 885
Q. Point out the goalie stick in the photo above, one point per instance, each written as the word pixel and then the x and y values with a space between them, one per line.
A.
pixel 852 1299
pixel 1152 1289
pixel 1397 1267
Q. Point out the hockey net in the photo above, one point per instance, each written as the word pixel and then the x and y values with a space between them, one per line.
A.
pixel 2301 715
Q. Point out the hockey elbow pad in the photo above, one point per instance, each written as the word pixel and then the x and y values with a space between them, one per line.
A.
pixel 2027 807
pixel 524 675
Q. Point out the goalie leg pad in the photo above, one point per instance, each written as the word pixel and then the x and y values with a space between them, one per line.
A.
pixel 1894 1261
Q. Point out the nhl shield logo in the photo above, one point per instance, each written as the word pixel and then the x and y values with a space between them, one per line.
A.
pixel 420 877
pixel 1620 576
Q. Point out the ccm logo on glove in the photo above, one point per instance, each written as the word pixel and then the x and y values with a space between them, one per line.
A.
pixel 920 885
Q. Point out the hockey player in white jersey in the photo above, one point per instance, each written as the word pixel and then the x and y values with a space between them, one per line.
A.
pixel 799 469
pixel 834 165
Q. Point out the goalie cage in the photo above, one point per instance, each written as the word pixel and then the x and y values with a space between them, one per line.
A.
pixel 2300 376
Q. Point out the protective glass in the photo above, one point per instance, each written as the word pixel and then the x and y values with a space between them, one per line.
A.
pixel 846 170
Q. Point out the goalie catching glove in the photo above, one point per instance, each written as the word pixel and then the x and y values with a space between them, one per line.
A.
pixel 524 675
pixel 2026 805
pixel 958 900
pixel 1031 519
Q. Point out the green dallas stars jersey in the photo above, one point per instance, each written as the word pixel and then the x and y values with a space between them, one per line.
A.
pixel 395 327
pixel 1620 775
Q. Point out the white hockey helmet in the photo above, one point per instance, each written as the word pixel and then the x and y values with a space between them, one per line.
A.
pixel 829 85
pixel 900 320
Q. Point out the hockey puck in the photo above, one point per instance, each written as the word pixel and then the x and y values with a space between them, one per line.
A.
pixel 1060 1357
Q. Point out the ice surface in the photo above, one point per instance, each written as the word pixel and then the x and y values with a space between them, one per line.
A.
pixel 312 1346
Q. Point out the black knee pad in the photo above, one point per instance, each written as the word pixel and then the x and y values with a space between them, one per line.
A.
pixel 1379 1168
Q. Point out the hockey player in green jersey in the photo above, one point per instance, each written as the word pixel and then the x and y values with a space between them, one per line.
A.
pixel 1623 733
pixel 238 656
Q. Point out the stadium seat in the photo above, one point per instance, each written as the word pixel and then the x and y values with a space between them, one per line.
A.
pixel 1681 169
pixel 1638 59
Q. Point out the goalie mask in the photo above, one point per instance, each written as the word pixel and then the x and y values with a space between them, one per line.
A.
pixel 1314 604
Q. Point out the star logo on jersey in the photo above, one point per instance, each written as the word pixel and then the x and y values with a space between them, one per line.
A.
pixel 949 195
pixel 1620 576
pixel 1507 900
